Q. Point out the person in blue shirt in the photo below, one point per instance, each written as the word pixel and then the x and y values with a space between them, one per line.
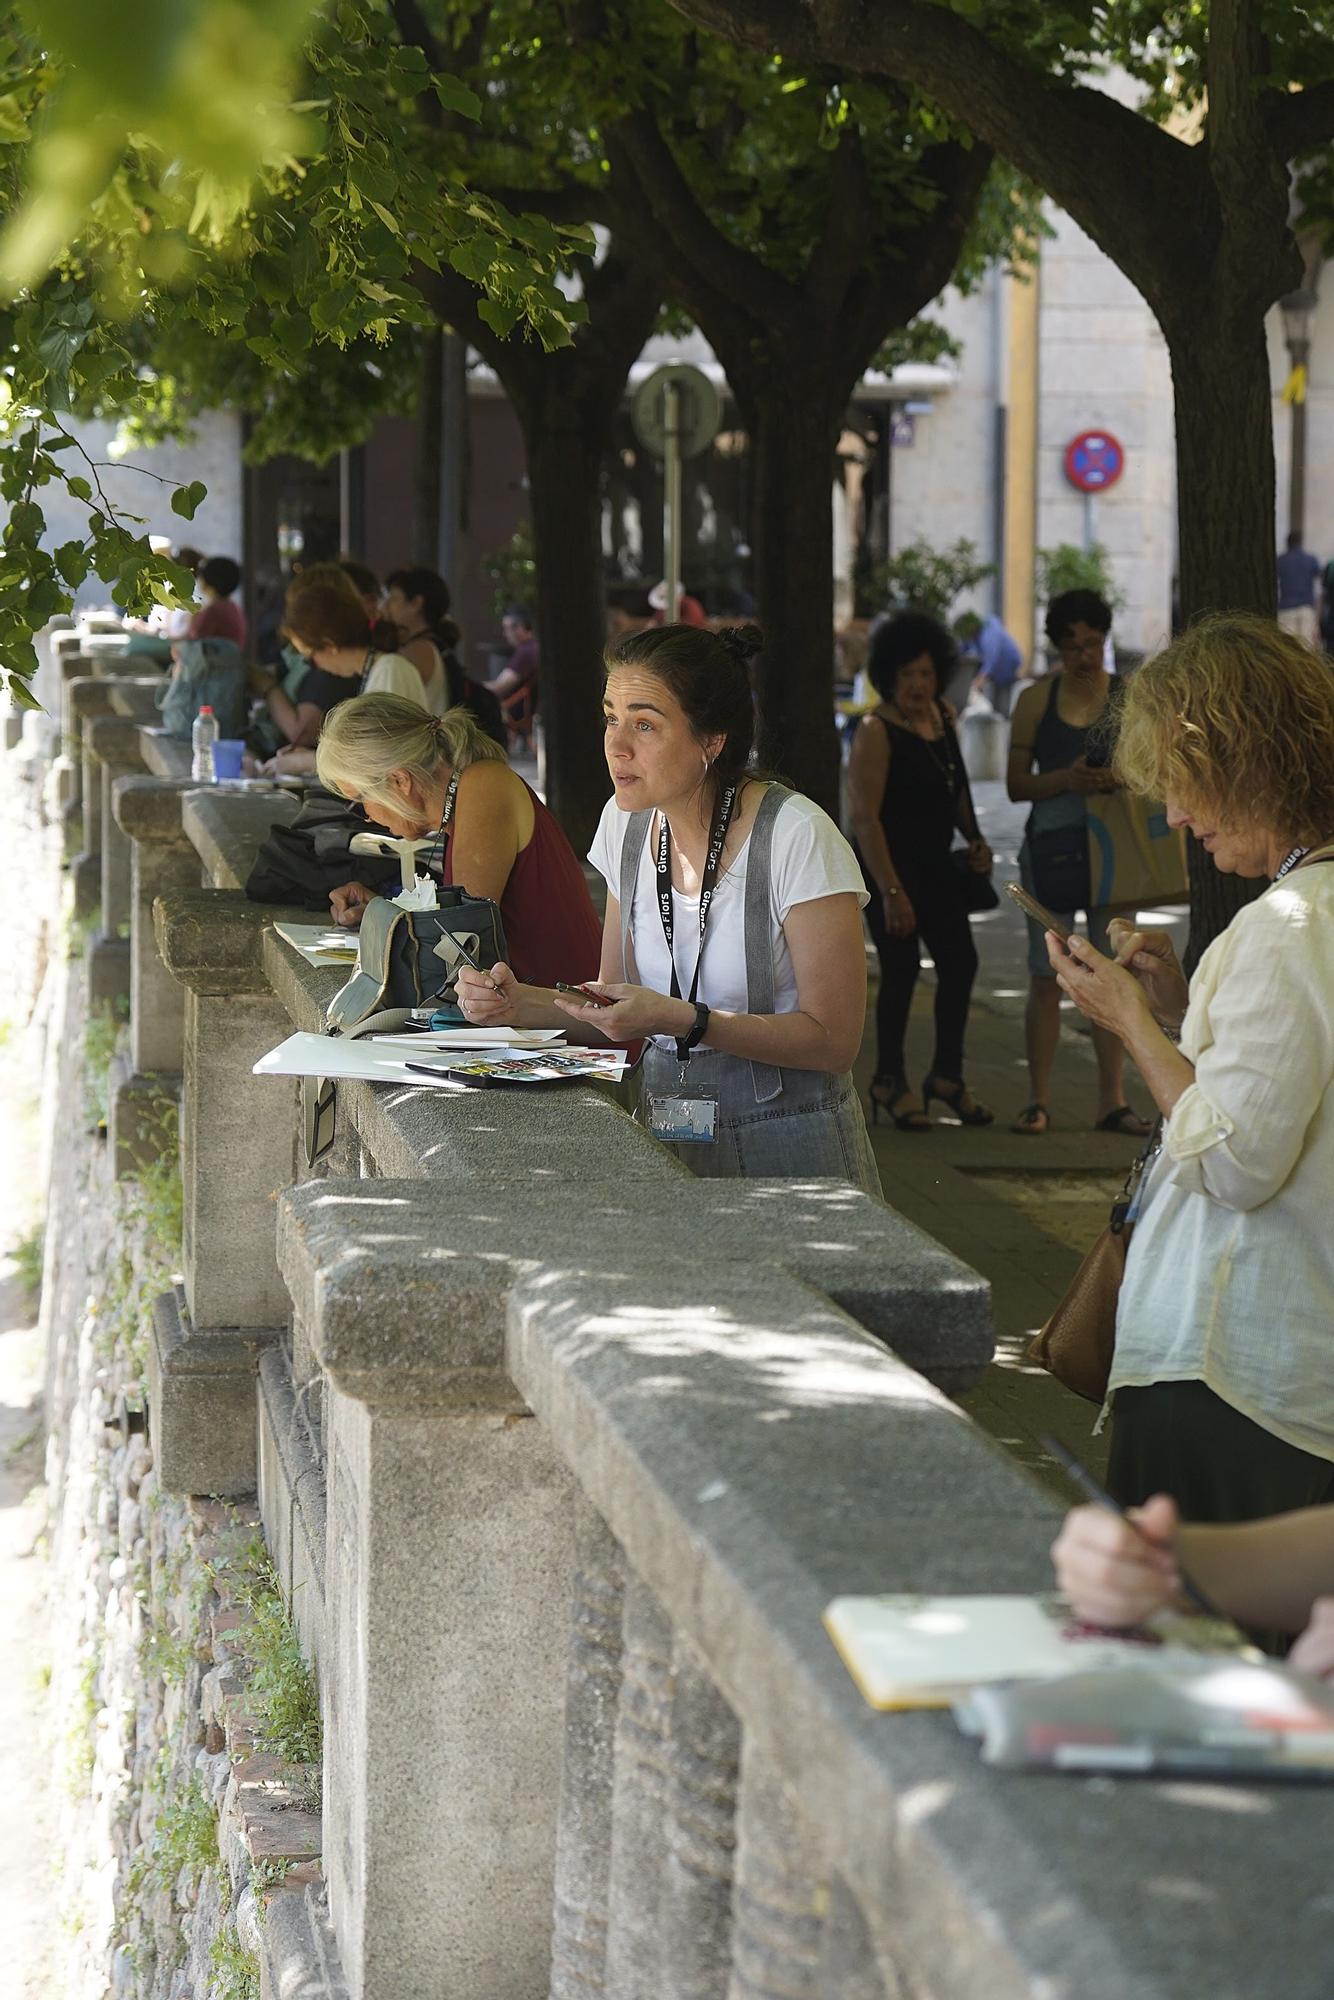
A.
pixel 1000 662
pixel 1298 582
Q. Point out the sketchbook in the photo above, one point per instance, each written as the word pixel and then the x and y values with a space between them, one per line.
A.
pixel 924 1652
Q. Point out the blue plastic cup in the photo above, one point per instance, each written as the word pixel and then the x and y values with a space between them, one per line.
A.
pixel 227 754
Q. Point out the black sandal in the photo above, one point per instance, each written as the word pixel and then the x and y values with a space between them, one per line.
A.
pixel 1125 1120
pixel 953 1099
pixel 885 1092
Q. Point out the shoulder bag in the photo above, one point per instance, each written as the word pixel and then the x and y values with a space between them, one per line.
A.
pixel 406 959
pixel 1079 1340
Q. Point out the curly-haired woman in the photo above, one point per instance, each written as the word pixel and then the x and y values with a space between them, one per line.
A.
pixel 1223 1381
pixel 908 796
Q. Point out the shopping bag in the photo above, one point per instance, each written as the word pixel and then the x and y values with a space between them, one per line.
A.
pixel 1136 860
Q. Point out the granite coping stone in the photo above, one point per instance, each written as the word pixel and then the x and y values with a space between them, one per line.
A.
pixel 210 939
pixel 404 1288
pixel 149 808
pixel 754 1462
pixel 228 827
pixel 137 699
pixel 166 756
pixel 114 741
pixel 88 697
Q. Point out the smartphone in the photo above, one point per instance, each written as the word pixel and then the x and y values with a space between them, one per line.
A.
pixel 586 993
pixel 1033 908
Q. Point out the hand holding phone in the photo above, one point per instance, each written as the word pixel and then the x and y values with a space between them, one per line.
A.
pixel 586 994
pixel 1039 912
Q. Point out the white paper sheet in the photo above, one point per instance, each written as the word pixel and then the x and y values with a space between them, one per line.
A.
pixel 320 944
pixel 373 1062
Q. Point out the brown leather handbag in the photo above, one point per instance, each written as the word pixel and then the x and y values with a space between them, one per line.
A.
pixel 1078 1341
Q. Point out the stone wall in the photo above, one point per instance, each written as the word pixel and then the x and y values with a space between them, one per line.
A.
pixel 183 1811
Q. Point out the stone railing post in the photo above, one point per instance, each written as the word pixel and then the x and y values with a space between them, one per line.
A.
pixel 85 699
pixel 113 745
pixel 450 1550
pixel 238 1136
pixel 147 1086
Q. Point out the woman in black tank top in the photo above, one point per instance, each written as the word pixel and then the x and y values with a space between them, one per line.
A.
pixel 909 796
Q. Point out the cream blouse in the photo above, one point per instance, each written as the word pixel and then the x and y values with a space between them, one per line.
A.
pixel 1230 1273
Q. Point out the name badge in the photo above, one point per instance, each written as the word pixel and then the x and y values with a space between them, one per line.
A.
pixel 683 1121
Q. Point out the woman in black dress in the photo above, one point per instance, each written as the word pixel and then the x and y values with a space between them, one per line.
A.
pixel 909 795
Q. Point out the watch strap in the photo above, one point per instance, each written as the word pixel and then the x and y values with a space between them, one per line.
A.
pixel 685 1043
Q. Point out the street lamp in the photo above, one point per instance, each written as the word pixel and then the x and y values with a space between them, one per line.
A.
pixel 1298 310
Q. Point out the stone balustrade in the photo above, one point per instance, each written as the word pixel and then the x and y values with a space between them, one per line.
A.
pixel 561 1454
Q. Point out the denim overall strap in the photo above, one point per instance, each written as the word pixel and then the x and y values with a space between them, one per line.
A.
pixel 636 833
pixel 766 1078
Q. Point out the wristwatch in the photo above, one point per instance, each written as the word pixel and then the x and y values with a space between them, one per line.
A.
pixel 685 1043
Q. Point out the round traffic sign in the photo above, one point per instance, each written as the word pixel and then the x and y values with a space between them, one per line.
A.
pixel 1094 461
pixel 699 405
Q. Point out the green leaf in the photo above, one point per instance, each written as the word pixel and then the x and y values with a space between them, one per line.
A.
pixel 79 487
pixel 20 693
pixel 71 559
pixel 455 96
pixel 185 500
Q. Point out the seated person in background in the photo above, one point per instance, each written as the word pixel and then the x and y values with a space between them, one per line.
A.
pixel 417 774
pixel 521 669
pixel 367 586
pixel 627 611
pixel 1274 1575
pixel 218 616
pixel 689 610
pixel 325 620
pixel 417 605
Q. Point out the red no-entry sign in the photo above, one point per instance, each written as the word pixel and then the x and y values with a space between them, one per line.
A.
pixel 1094 461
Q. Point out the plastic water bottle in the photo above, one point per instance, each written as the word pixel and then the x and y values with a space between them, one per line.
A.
pixel 202 738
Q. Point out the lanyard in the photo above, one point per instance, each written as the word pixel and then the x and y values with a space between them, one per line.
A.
pixel 1293 860
pixel 708 883
pixel 434 856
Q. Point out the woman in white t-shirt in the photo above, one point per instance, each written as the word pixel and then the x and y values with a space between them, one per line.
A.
pixel 732 942
pixel 326 621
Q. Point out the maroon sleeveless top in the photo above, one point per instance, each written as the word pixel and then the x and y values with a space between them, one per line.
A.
pixel 551 928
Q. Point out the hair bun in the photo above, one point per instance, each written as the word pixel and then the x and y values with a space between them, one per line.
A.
pixel 743 642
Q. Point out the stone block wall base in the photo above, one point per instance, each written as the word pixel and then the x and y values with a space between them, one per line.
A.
pixel 108 970
pixel 293 1499
pixel 201 1401
pixel 86 874
pixel 145 1118
pixel 298 1953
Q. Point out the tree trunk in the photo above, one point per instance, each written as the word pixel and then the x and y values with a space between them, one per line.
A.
pixel 1225 506
pixel 430 430
pixel 792 441
pixel 564 481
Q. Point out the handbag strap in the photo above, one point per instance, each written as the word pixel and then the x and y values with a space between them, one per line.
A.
pixel 1139 1166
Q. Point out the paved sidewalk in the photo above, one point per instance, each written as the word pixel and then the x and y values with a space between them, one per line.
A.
pixel 1021 1210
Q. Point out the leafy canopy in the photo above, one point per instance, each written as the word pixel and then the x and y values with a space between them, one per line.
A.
pixel 190 188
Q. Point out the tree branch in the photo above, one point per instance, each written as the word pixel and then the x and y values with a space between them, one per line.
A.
pixel 1074 141
pixel 848 224
pixel 569 202
pixel 641 158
